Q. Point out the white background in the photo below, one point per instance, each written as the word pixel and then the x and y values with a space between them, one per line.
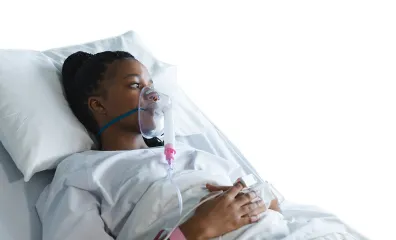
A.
pixel 306 89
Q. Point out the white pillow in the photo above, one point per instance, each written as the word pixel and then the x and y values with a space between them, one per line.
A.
pixel 38 128
pixel 129 42
pixel 36 125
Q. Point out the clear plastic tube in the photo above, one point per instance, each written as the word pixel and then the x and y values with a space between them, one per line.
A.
pixel 169 141
pixel 179 196
pixel 169 132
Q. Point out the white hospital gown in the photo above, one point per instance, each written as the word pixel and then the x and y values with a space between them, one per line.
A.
pixel 125 195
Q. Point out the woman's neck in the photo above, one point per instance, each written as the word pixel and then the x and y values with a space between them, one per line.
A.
pixel 115 140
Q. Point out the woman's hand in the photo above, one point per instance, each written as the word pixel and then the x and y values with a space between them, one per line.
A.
pixel 223 214
pixel 274 205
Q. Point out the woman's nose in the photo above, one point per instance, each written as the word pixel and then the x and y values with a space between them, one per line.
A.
pixel 153 96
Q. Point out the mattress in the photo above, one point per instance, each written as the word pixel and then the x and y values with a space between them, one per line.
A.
pixel 18 216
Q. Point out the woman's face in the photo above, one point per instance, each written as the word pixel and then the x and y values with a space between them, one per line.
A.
pixel 123 82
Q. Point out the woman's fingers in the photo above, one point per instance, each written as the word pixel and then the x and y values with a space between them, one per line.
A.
pixel 213 188
pixel 253 209
pixel 209 195
pixel 246 198
pixel 232 192
pixel 250 219
pixel 247 220
pixel 274 205
pixel 253 213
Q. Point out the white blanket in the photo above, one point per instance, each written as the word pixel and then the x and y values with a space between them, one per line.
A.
pixel 125 195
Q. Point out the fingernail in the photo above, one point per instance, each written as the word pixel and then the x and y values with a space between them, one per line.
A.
pixel 237 184
pixel 254 219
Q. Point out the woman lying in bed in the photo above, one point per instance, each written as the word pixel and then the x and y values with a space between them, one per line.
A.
pixel 100 88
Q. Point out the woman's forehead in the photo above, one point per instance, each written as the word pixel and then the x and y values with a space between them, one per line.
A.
pixel 121 70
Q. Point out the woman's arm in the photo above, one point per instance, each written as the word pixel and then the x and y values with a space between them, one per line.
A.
pixel 192 229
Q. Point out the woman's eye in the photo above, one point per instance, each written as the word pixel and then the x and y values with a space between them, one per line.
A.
pixel 135 85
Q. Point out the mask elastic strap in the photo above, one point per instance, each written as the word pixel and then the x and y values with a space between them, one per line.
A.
pixel 118 119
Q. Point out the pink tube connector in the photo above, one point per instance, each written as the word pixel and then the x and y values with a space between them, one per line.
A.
pixel 169 153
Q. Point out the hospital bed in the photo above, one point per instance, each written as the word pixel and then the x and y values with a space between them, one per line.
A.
pixel 18 216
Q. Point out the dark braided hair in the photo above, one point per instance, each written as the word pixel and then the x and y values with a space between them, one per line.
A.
pixel 82 74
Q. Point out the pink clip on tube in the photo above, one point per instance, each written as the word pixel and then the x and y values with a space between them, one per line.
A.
pixel 169 153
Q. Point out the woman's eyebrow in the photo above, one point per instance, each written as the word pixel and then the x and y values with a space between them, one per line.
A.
pixel 132 75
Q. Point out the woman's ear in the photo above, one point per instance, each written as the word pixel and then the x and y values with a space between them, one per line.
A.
pixel 96 106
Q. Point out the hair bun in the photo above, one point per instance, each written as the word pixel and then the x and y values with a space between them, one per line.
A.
pixel 71 66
